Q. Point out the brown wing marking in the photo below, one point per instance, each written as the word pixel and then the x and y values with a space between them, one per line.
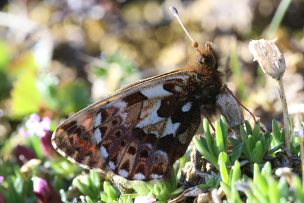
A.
pixel 104 136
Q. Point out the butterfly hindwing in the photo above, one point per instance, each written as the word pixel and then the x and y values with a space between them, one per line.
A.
pixel 137 133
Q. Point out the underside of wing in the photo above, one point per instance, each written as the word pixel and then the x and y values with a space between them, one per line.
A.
pixel 137 133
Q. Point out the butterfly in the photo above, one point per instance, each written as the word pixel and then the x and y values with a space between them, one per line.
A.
pixel 142 129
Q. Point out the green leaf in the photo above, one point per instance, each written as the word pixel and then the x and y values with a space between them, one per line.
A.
pixel 14 196
pixel 234 142
pixel 110 191
pixel 256 172
pixel 236 172
pixel 127 198
pixel 223 157
pixel 256 131
pixel 258 153
pixel 251 143
pixel 163 190
pixel 89 200
pixel 276 132
pixel 237 152
pixel 266 170
pixel 219 139
pixel 262 185
pixel 201 147
pixel 267 141
pixel 248 128
pixel 247 150
pixel 209 138
pixel 274 193
pixel 103 197
pixel 273 150
pixel 95 177
pixel 140 187
pixel 226 188
pixel 224 127
pixel 94 190
pixel 283 187
pixel 299 192
pixel 84 189
pixel 258 196
pixel 243 133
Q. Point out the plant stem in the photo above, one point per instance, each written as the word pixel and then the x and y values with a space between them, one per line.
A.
pixel 285 113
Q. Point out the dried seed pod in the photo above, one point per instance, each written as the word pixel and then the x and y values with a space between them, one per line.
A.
pixel 273 64
pixel 269 57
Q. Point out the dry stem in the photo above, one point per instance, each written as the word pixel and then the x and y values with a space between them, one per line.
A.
pixel 285 113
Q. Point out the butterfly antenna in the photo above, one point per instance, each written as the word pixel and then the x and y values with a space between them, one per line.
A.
pixel 175 13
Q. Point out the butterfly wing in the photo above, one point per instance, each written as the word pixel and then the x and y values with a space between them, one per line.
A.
pixel 138 132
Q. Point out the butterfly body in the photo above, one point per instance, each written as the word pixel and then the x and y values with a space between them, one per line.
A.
pixel 142 129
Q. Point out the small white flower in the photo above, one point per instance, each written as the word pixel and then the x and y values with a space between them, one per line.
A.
pixel 144 199
pixel 36 126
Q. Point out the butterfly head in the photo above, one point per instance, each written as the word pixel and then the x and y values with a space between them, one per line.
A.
pixel 207 58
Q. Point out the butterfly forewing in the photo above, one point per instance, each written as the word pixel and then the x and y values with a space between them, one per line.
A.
pixel 138 133
pixel 142 129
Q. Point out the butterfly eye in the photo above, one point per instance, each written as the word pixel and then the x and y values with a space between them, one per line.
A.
pixel 202 60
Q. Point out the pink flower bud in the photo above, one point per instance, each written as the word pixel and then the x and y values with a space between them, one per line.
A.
pixel 45 191
pixel 23 154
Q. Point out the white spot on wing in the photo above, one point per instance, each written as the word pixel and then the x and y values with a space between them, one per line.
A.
pixel 156 91
pixel 98 120
pixel 124 116
pixel 97 135
pixel 187 107
pixel 151 118
pixel 156 176
pixel 170 127
pixel 178 88
pixel 120 104
pixel 123 173
pixel 104 152
pixel 148 145
pixel 161 154
pixel 112 165
pixel 139 176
